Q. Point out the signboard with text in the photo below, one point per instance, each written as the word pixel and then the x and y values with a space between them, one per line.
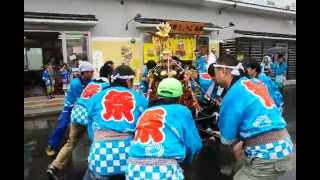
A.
pixel 183 27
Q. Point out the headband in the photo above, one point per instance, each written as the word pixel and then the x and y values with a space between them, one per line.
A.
pixel 235 69
pixel 117 76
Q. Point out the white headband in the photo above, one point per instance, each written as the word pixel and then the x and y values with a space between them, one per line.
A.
pixel 117 76
pixel 235 69
pixel 103 79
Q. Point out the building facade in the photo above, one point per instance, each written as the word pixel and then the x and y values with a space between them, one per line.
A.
pixel 95 30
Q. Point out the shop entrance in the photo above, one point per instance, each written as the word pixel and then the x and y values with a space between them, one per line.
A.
pixel 40 48
pixel 56 48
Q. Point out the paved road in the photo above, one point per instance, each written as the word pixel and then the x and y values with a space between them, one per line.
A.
pixel 207 165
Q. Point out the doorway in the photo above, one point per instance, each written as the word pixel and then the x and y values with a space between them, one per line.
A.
pixel 56 48
pixel 40 48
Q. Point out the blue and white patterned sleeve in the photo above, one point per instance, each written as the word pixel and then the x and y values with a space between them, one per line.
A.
pixel 79 115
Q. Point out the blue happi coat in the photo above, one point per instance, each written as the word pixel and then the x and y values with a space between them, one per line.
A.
pixel 79 114
pixel 201 64
pixel 279 71
pixel 65 76
pixel 74 92
pixel 166 131
pixel 205 82
pixel 272 88
pixel 114 109
pixel 47 77
pixel 247 110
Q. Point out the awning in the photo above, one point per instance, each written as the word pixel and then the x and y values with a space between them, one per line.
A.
pixel 264 35
pixel 142 23
pixel 62 19
pixel 158 21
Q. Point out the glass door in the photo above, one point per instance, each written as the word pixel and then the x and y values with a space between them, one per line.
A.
pixel 75 47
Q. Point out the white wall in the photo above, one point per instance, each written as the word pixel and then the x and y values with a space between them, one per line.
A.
pixel 113 16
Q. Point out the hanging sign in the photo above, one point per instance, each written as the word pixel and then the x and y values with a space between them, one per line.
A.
pixel 185 27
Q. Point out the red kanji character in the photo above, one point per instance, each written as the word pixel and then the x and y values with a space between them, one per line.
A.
pixel 118 104
pixel 150 125
pixel 206 76
pixel 90 90
pixel 260 91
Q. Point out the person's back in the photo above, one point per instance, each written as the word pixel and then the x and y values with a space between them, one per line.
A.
pixel 166 131
pixel 79 111
pixel 166 135
pixel 250 121
pixel 255 106
pixel 74 92
pixel 117 108
pixel 79 123
pixel 113 114
pixel 254 70
pixel 272 89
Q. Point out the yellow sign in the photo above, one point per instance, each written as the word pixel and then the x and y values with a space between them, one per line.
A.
pixel 182 47
pixel 119 51
pixel 149 52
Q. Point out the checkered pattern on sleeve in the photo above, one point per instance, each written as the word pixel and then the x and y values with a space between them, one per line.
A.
pixel 154 172
pixel 276 150
pixel 79 115
pixel 109 157
pixel 67 104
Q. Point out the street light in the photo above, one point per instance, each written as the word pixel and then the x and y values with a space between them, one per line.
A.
pixel 136 17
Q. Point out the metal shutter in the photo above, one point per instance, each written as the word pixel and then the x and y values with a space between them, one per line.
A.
pixel 243 46
pixel 292 61
pixel 228 44
pixel 256 50
pixel 267 44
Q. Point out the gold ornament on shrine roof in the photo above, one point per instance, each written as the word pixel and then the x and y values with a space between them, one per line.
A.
pixel 163 30
pixel 160 38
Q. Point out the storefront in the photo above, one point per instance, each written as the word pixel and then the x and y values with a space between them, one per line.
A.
pixel 248 44
pixel 55 39
pixel 185 38
pixel 111 39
